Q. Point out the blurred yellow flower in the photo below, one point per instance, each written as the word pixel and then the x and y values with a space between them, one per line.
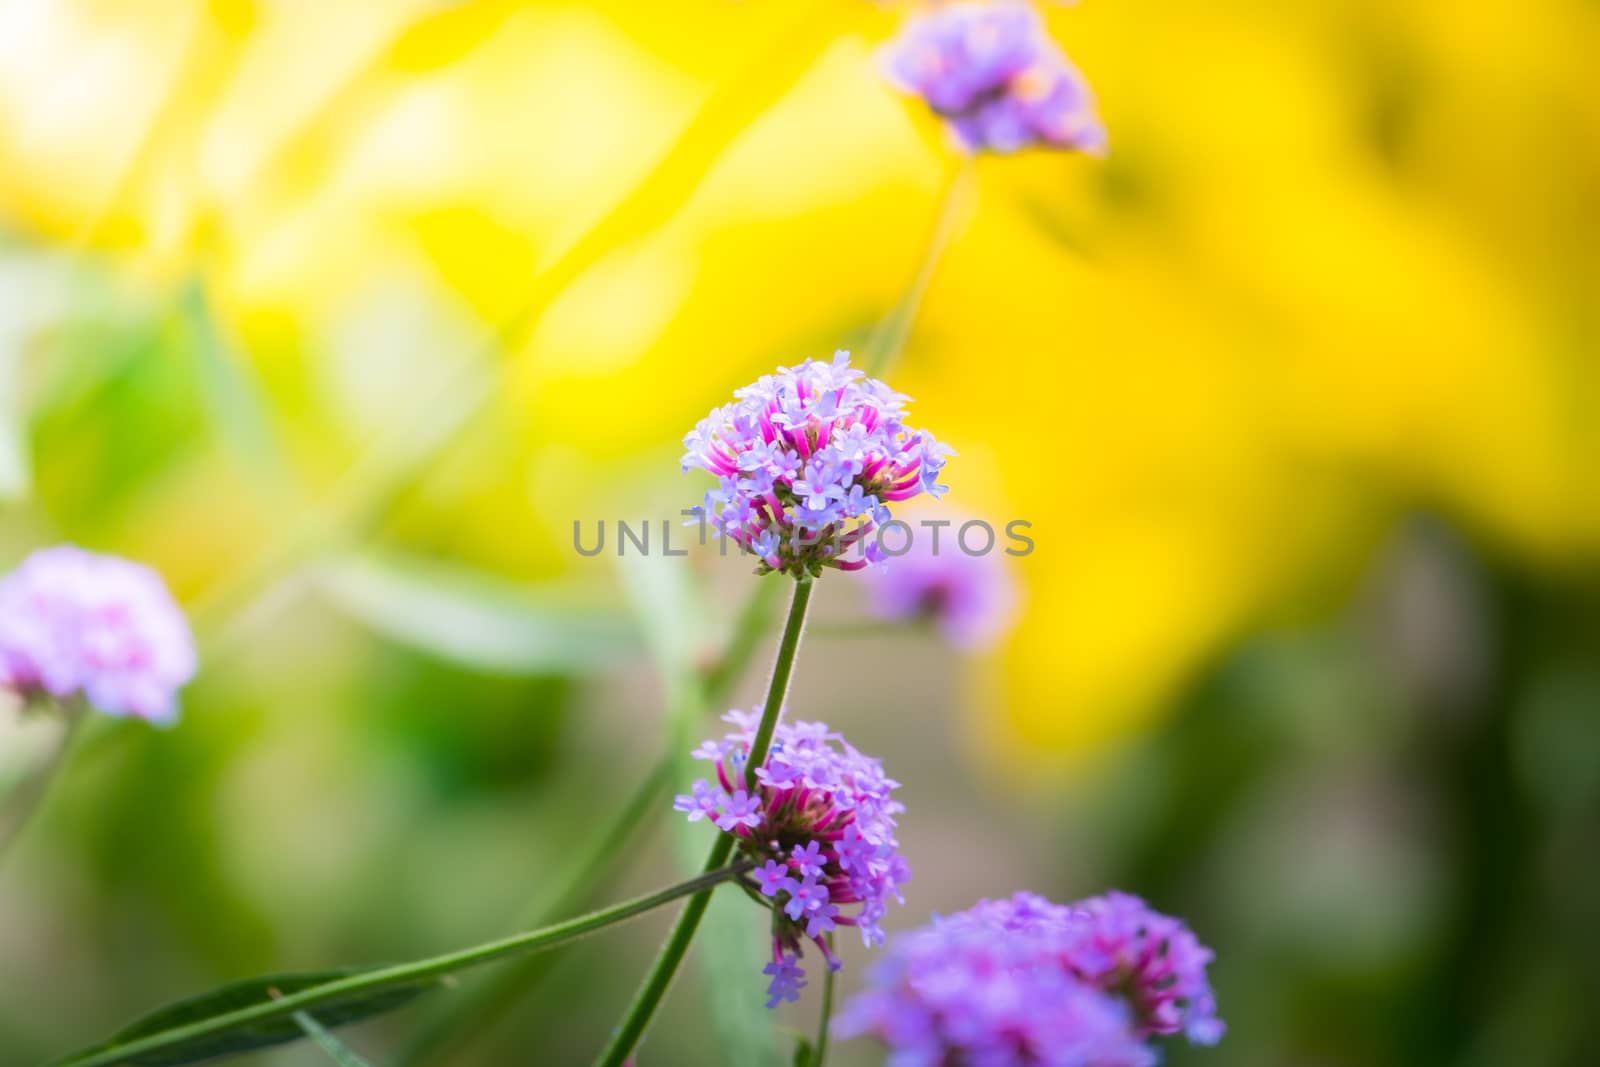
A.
pixel 1340 265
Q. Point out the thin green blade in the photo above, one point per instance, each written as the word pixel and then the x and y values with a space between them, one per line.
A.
pixel 253 1035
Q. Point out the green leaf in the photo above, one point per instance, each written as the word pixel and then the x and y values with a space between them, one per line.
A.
pixel 802 1052
pixel 259 1034
pixel 670 612
pixel 475 619
pixel 337 1050
pixel 260 1011
pixel 734 942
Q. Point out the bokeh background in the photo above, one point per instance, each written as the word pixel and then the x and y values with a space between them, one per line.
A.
pixel 341 314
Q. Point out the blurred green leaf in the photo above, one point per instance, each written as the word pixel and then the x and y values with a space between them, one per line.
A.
pixel 337 1050
pixel 732 945
pixel 671 615
pixel 802 1052
pixel 121 414
pixel 476 619
pixel 232 397
pixel 260 1034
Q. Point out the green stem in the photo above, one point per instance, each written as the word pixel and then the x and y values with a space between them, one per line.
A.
pixel 748 631
pixel 407 974
pixel 487 1002
pixel 778 687
pixel 819 1051
pixel 337 1050
pixel 884 346
pixel 676 946
pixel 29 795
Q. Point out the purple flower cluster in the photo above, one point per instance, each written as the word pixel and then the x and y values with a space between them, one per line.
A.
pixel 821 822
pixel 1121 944
pixel 1024 981
pixel 997 78
pixel 809 460
pixel 972 598
pixel 76 623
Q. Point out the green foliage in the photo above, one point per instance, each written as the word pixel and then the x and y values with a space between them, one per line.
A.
pixel 250 1035
pixel 476 620
pixel 258 1012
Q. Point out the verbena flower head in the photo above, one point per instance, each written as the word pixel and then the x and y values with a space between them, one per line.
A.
pixel 809 461
pixel 1120 944
pixel 821 824
pixel 992 71
pixel 972 599
pixel 76 623
pixel 1024 982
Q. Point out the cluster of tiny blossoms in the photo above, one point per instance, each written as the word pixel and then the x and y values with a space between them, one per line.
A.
pixel 73 623
pixel 997 78
pixel 808 461
pixel 821 822
pixel 1027 982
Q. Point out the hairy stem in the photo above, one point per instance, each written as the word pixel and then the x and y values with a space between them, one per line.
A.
pixel 778 687
pixel 748 630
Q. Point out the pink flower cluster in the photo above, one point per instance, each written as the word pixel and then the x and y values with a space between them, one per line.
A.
pixel 1026 982
pixel 73 623
pixel 995 76
pixel 808 462
pixel 822 822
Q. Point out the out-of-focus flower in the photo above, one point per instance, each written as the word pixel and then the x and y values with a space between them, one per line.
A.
pixel 810 459
pixel 76 623
pixel 978 987
pixel 997 78
pixel 1025 981
pixel 823 821
pixel 1120 945
pixel 972 598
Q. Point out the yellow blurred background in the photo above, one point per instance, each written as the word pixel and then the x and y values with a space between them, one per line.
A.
pixel 1340 264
